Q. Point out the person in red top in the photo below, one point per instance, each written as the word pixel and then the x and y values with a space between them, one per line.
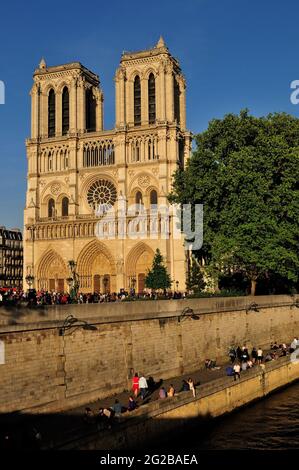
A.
pixel 135 387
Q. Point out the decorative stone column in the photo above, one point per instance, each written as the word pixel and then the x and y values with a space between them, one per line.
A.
pixel 73 104
pixel 182 85
pixel 81 119
pixel 35 114
pixel 161 111
pixel 99 109
pixel 169 93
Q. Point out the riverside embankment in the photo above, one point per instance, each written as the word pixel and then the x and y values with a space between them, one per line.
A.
pixel 171 417
pixel 42 370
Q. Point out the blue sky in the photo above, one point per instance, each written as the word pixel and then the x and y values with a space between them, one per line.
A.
pixel 234 54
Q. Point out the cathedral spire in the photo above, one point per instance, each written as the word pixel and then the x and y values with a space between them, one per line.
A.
pixel 161 42
pixel 42 64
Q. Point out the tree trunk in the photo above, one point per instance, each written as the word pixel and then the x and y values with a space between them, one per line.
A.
pixel 253 286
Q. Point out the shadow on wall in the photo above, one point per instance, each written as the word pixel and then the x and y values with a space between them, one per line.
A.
pixel 59 431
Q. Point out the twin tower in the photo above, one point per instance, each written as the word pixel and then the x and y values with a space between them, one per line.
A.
pixel 74 165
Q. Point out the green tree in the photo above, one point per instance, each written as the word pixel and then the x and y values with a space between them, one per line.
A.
pixel 158 277
pixel 195 278
pixel 245 171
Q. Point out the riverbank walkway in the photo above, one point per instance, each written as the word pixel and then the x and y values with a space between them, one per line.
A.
pixel 59 428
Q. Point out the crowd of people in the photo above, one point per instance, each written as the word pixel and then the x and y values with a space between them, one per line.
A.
pixel 242 360
pixel 43 297
pixel 142 388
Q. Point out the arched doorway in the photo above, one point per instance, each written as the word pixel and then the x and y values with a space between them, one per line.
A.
pixel 52 272
pixel 139 261
pixel 96 269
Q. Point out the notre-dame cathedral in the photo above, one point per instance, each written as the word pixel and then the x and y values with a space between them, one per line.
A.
pixel 74 164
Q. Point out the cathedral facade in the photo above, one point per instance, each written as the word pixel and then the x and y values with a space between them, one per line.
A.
pixel 74 165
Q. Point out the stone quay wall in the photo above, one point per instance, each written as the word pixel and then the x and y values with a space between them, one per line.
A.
pixel 42 371
pixel 172 416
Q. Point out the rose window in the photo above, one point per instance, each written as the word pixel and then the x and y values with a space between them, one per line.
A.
pixel 101 193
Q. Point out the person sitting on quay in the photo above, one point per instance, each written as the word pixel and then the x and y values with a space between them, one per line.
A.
pixel 102 420
pixel 171 391
pixel 274 346
pixel 268 357
pixel 185 386
pixel 88 416
pixel 249 364
pixel 117 408
pixel 162 393
pixel 132 404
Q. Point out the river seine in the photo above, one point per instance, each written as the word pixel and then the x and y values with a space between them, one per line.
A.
pixel 270 424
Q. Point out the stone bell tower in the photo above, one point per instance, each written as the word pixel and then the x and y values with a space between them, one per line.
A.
pixel 74 165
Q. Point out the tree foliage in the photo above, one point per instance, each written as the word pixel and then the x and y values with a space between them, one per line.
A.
pixel 245 171
pixel 195 278
pixel 158 277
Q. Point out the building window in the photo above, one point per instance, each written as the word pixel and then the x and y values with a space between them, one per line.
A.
pixel 138 198
pixel 151 99
pixel 176 90
pixel 90 107
pixel 51 208
pixel 65 207
pixel 65 111
pixel 154 197
pixel 137 101
pixel 51 113
pixel 50 161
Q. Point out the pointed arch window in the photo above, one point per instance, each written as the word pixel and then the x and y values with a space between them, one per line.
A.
pixel 151 99
pixel 65 207
pixel 154 197
pixel 138 198
pixel 90 106
pixel 176 90
pixel 51 208
pixel 137 101
pixel 65 111
pixel 51 113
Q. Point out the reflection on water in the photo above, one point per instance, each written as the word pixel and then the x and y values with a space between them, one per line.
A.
pixel 272 423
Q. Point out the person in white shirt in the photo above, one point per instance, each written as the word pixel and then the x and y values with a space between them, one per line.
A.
pixel 259 355
pixel 294 344
pixel 237 370
pixel 143 387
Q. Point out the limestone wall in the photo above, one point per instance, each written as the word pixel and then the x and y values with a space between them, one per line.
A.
pixel 43 371
pixel 173 415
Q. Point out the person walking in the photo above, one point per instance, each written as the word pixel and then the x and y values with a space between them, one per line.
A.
pixel 232 354
pixel 254 355
pixel 143 387
pixel 237 370
pixel 191 386
pixel 135 386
